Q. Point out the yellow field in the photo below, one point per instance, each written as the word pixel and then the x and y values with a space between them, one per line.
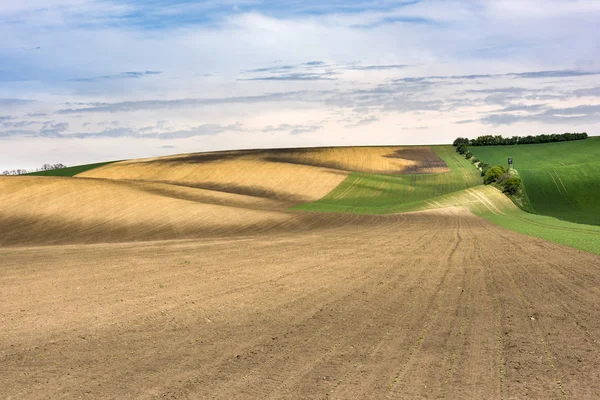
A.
pixel 478 199
pixel 47 210
pixel 297 175
pixel 184 196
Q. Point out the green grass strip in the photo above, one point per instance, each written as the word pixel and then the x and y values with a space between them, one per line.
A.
pixel 364 193
pixel 70 171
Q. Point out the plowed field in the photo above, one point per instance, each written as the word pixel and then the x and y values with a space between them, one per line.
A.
pixel 433 304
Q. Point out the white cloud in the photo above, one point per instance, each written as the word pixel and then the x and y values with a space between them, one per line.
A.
pixel 204 64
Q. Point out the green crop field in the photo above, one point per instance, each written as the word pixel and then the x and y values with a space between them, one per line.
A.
pixel 562 179
pixel 383 194
pixel 579 236
pixel 577 173
pixel 70 171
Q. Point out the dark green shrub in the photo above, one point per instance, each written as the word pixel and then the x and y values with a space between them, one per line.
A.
pixel 493 174
pixel 459 141
pixel 512 184
pixel 468 155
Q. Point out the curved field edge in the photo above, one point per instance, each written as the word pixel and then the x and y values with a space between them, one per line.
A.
pixel 383 194
pixel 71 171
pixel 491 204
pixel 562 179
pixel 363 193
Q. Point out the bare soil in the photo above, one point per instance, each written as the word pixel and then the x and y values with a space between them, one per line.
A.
pixel 437 304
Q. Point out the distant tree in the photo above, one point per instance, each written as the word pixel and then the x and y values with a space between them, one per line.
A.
pixel 460 141
pixel 468 155
pixel 498 140
pixel 461 148
pixel 45 167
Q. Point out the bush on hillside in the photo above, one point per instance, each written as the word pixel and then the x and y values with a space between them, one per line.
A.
pixel 493 174
pixel 474 160
pixel 512 184
pixel 468 155
pixel 461 149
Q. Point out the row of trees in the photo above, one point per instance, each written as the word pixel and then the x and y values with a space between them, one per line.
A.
pixel 45 167
pixel 498 140
pixel 498 175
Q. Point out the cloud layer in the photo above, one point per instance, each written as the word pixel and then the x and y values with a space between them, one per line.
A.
pixel 112 79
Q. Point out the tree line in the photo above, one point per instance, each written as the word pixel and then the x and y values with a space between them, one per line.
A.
pixel 500 176
pixel 45 167
pixel 498 140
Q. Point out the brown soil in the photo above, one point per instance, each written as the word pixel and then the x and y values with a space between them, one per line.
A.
pixel 425 305
pixel 424 160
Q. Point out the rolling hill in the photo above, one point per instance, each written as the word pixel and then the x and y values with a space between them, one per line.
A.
pixel 188 196
pixel 203 195
pixel 384 194
pixel 562 179
pixel 212 275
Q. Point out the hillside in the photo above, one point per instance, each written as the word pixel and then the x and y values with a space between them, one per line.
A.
pixel 200 276
pixel 363 193
pixel 199 195
pixel 246 192
pixel 383 194
pixel 293 175
pixel 562 180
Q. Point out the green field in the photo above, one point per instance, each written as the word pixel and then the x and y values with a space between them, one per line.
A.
pixel 579 236
pixel 578 169
pixel 383 194
pixel 70 171
pixel 562 179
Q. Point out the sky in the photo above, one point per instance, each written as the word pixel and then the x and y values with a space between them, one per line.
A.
pixel 84 81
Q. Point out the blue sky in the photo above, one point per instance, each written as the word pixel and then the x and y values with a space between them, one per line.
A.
pixel 93 80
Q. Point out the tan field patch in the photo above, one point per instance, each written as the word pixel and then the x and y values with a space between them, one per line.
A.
pixel 46 210
pixel 377 160
pixel 281 181
pixel 296 175
pixel 56 210
pixel 437 304
pixel 477 199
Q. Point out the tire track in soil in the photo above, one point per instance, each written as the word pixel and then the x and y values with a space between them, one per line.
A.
pixel 270 382
pixel 549 359
pixel 453 312
pixel 357 375
pixel 322 361
pixel 413 359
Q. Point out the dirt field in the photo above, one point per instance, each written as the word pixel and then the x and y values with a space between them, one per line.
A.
pixel 437 304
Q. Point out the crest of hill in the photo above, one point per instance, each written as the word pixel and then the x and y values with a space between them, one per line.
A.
pixel 190 196
pixel 293 175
